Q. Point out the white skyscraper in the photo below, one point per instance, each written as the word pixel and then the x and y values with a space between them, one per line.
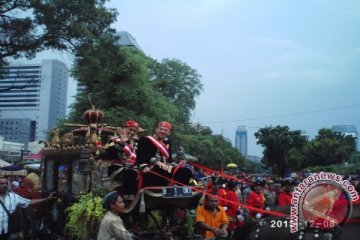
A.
pixel 35 93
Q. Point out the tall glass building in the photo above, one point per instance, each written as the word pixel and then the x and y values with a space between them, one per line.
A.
pixel 32 99
pixel 241 141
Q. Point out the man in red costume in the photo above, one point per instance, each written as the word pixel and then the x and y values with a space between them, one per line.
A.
pixel 256 198
pixel 221 191
pixel 233 209
pixel 284 197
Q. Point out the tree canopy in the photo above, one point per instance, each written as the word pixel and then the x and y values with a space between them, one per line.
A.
pixel 31 26
pixel 178 82
pixel 280 146
pixel 118 79
pixel 211 150
pixel 329 147
pixel 286 150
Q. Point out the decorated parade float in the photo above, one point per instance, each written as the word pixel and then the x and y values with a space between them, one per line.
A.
pixel 75 165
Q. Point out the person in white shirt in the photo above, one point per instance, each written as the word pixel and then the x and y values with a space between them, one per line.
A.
pixel 11 201
pixel 111 226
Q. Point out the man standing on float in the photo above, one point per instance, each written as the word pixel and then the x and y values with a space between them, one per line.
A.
pixel 154 153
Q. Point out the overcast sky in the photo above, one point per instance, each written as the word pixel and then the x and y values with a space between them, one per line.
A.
pixel 269 62
pixel 295 61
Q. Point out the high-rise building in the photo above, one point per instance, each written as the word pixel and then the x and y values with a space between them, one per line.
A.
pixel 127 40
pixel 20 130
pixel 347 130
pixel 33 99
pixel 241 142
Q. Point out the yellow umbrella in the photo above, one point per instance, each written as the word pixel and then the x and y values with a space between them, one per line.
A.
pixel 231 165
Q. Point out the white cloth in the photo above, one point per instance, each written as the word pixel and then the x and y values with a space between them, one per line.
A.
pixel 112 227
pixel 12 200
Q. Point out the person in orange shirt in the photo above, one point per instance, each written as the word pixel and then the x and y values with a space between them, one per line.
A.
pixel 256 198
pixel 211 220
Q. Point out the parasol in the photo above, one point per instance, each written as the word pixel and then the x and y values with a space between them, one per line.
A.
pixel 231 165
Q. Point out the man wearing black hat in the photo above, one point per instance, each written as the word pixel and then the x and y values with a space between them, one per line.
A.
pixel 111 226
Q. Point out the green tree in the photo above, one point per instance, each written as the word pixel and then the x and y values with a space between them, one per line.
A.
pixel 118 79
pixel 179 82
pixel 212 151
pixel 30 26
pixel 254 167
pixel 328 148
pixel 282 147
pixel 122 83
pixel 295 158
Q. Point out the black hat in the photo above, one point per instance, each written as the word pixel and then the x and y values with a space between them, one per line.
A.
pixel 109 198
pixel 288 182
pixel 261 183
pixel 231 185
pixel 180 155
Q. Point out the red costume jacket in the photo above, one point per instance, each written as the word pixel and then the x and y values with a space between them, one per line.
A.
pixel 255 200
pixel 232 208
pixel 222 194
pixel 284 199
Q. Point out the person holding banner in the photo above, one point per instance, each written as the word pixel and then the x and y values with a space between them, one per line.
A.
pixel 154 154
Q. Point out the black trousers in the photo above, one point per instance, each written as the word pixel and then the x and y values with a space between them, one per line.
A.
pixel 150 179
pixel 4 236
